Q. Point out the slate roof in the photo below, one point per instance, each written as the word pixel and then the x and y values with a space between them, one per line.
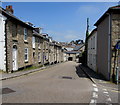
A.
pixel 77 47
pixel 37 34
pixel 72 52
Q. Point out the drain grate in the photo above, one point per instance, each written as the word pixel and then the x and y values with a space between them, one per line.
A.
pixel 7 90
pixel 66 77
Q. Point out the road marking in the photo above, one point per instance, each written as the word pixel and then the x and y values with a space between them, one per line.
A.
pixel 94 85
pixel 105 89
pixel 107 95
pixel 105 92
pixel 109 99
pixel 110 89
pixel 93 101
pixel 95 89
pixel 95 95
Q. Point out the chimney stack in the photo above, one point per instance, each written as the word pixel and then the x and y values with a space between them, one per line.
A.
pixel 38 29
pixel 9 9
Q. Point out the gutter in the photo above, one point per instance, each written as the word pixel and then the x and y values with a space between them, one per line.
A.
pixel 109 46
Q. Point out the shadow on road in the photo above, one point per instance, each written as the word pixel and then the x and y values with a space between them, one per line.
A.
pixel 92 73
pixel 80 73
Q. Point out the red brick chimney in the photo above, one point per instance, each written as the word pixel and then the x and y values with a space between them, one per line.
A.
pixel 9 9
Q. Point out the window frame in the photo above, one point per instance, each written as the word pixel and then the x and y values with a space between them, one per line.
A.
pixel 39 44
pixel 39 57
pixel 25 34
pixel 26 53
pixel 33 41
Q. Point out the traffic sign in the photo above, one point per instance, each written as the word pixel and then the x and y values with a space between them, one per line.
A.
pixel 118 45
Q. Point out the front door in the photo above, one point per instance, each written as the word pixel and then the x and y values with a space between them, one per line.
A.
pixel 15 58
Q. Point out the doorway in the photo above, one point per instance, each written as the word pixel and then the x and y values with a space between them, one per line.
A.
pixel 14 57
pixel 70 58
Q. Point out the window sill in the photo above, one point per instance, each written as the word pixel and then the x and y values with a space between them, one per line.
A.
pixel 39 62
pixel 26 61
pixel 15 40
pixel 25 41
pixel 34 48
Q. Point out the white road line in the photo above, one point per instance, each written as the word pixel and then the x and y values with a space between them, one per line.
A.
pixel 95 89
pixel 107 95
pixel 105 89
pixel 109 99
pixel 93 101
pixel 95 95
pixel 105 92
pixel 94 85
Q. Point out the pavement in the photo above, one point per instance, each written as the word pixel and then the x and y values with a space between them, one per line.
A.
pixel 99 79
pixel 5 76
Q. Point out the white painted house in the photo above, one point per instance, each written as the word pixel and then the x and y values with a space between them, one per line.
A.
pixel 92 50
pixel 2 43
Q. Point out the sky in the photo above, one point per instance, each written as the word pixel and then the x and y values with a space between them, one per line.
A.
pixel 63 21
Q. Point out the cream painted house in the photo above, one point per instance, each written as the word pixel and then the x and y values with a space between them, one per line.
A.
pixel 92 50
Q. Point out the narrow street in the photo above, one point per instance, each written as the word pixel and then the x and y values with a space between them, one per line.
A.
pixel 60 52
pixel 62 83
pixel 58 84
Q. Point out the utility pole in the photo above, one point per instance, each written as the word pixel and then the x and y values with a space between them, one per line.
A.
pixel 86 42
pixel 87 31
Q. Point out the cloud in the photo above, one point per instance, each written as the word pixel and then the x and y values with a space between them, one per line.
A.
pixel 71 37
pixel 88 9
pixel 66 36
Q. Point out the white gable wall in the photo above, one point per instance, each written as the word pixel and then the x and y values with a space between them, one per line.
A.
pixel 2 43
pixel 92 51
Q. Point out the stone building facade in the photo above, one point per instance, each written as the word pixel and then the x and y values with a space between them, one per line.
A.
pixel 108 34
pixel 56 53
pixel 23 46
pixel 18 42
pixel 52 54
pixel 37 45
pixel 45 54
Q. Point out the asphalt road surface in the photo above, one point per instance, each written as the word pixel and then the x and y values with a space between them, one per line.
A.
pixel 63 83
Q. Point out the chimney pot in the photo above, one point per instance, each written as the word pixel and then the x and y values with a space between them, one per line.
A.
pixel 9 9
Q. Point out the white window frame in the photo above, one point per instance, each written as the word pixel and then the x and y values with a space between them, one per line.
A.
pixel 26 53
pixel 33 41
pixel 39 45
pixel 39 57
pixel 25 34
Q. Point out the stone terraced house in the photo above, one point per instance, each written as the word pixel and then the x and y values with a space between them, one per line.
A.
pixel 22 45
pixel 15 42
pixel 37 45
pixel 45 54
